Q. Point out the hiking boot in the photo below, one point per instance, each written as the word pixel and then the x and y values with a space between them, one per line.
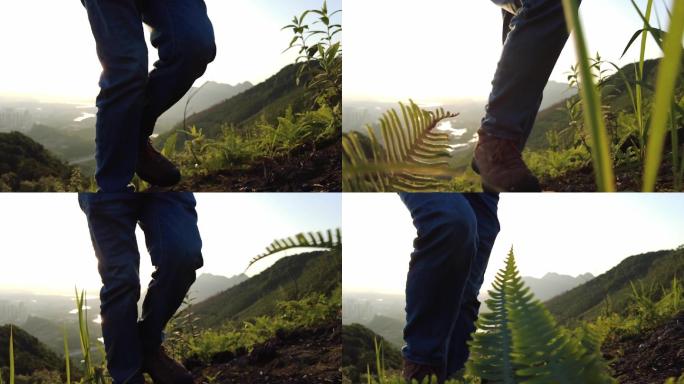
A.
pixel 499 162
pixel 155 169
pixel 165 370
pixel 420 372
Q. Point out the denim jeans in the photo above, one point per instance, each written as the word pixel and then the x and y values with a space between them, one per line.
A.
pixel 456 233
pixel 533 40
pixel 169 222
pixel 131 99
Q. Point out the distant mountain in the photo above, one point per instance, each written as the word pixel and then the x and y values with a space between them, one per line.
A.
pixel 51 333
pixel 24 162
pixel 390 328
pixel 358 343
pixel 207 285
pixel 210 94
pixel 359 113
pixel 289 278
pixel 65 144
pixel 555 92
pixel 653 269
pixel 553 284
pixel 30 354
pixel 269 99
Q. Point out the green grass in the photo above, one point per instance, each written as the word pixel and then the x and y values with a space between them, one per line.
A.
pixel 291 315
pixel 593 114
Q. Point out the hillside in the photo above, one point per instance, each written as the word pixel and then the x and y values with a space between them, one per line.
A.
pixel 51 333
pixel 270 99
pixel 30 354
pixel 653 269
pixel 26 165
pixel 389 328
pixel 555 117
pixel 71 146
pixel 290 278
pixel 303 356
pixel 358 343
pixel 650 357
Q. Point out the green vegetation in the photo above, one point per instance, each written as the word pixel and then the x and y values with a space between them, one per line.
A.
pixel 358 343
pixel 622 131
pixel 26 166
pixel 290 278
pixel 290 315
pixel 28 355
pixel 520 341
pixel 408 155
pixel 298 292
pixel 647 307
pixel 297 110
pixel 586 302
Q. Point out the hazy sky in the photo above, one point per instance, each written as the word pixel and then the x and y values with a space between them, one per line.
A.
pixel 46 245
pixel 440 50
pixel 565 233
pixel 49 53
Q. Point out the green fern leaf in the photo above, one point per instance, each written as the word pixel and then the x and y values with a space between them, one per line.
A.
pixel 410 156
pixel 330 240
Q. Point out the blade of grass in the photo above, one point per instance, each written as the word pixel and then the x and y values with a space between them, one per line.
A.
pixel 640 79
pixel 593 116
pixel 66 357
pixel 668 72
pixel 11 356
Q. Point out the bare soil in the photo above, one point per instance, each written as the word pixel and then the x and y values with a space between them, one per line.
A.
pixel 651 357
pixel 305 356
pixel 307 169
pixel 627 176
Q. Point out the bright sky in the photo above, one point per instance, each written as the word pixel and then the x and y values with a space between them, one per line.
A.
pixel 565 233
pixel 441 50
pixel 46 246
pixel 49 53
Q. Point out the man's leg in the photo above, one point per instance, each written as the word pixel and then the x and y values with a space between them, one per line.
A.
pixel 112 219
pixel 439 268
pixel 537 36
pixel 184 36
pixel 118 31
pixel 485 207
pixel 169 221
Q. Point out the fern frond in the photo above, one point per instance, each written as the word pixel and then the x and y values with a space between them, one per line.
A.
pixel 411 156
pixel 520 342
pixel 331 239
pixel 491 349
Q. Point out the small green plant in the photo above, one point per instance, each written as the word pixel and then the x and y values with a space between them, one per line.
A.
pixel 291 315
pixel 650 136
pixel 592 111
pixel 320 55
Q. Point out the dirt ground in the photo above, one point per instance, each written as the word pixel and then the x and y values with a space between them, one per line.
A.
pixel 305 356
pixel 651 357
pixel 308 170
pixel 627 176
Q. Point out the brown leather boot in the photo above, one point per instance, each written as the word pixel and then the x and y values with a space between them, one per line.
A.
pixel 155 168
pixel 499 162
pixel 420 372
pixel 165 370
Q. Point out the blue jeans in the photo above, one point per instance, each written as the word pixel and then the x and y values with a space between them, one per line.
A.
pixel 533 41
pixel 456 233
pixel 169 222
pixel 131 99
